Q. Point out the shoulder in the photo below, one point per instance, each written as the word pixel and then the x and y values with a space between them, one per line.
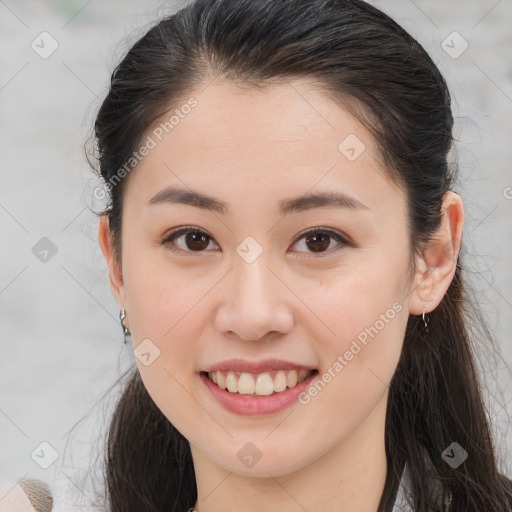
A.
pixel 14 496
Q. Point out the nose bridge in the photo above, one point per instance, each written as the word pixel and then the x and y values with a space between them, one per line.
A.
pixel 253 287
pixel 252 277
pixel 253 302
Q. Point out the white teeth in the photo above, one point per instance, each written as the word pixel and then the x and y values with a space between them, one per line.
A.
pixel 232 382
pixel 291 379
pixel 261 384
pixel 221 380
pixel 264 384
pixel 280 381
pixel 246 384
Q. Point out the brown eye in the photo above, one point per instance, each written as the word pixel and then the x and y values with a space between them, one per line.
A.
pixel 196 241
pixel 193 240
pixel 319 240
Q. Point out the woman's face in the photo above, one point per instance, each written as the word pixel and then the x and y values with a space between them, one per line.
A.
pixel 249 285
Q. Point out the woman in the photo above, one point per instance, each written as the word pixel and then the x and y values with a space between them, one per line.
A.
pixel 283 242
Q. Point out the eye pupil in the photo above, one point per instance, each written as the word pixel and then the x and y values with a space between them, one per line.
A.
pixel 322 237
pixel 196 237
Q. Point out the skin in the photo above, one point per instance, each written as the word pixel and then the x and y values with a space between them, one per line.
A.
pixel 291 303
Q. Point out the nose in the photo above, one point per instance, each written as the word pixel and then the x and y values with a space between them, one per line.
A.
pixel 255 303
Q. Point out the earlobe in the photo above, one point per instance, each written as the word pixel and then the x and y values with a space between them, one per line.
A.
pixel 436 266
pixel 115 274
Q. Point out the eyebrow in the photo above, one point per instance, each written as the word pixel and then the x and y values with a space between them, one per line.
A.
pixel 327 199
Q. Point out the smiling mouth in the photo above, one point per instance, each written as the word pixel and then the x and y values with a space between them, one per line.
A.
pixel 258 384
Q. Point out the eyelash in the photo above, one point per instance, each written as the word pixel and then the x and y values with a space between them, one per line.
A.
pixel 188 229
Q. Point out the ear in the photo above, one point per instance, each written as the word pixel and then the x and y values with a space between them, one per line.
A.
pixel 436 266
pixel 114 268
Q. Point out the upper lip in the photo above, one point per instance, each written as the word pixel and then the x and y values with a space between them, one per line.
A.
pixel 240 365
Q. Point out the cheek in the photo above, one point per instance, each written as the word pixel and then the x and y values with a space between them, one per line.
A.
pixel 359 302
pixel 359 329
pixel 358 362
pixel 166 306
pixel 167 310
pixel 160 296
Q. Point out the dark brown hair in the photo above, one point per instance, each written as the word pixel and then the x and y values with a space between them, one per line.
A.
pixel 362 58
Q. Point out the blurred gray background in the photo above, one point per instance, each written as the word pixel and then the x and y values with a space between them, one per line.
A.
pixel 61 343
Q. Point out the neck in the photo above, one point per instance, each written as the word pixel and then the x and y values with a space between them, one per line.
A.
pixel 349 477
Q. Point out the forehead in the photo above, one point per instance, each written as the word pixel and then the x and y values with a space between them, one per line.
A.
pixel 278 141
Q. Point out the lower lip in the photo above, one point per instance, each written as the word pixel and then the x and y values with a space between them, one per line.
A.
pixel 249 405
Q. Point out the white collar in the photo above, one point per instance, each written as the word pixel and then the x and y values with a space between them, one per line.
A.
pixel 402 504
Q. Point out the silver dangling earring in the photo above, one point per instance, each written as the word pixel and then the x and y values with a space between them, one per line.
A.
pixel 425 319
pixel 126 331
